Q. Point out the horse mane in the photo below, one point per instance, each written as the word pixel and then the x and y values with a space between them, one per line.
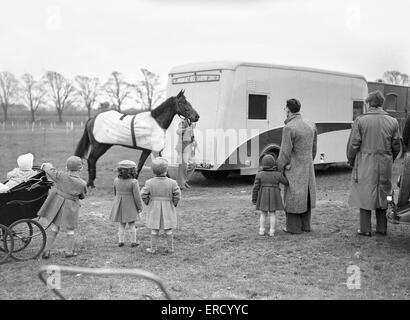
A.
pixel 164 113
pixel 160 109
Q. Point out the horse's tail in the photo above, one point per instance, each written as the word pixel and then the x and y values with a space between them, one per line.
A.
pixel 84 143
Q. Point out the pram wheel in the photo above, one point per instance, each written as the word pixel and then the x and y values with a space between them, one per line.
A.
pixel 6 243
pixel 29 239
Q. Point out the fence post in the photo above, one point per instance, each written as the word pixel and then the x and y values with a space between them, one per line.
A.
pixel 44 136
pixel 73 140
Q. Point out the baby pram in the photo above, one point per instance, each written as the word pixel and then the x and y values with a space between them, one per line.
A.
pixel 21 237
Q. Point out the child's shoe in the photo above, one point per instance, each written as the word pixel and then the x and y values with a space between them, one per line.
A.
pixel 134 244
pixel 152 251
pixel 71 254
pixel 271 233
pixel 46 254
pixel 261 232
pixel 121 244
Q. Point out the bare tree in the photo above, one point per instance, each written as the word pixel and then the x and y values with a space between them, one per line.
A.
pixel 9 90
pixel 33 93
pixel 88 90
pixel 61 91
pixel 405 79
pixel 148 89
pixel 396 77
pixel 117 89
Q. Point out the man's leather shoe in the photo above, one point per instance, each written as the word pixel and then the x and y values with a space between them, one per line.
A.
pixel 366 234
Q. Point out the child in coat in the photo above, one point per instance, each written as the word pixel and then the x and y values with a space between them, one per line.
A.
pixel 266 193
pixel 21 174
pixel 127 202
pixel 162 195
pixel 62 205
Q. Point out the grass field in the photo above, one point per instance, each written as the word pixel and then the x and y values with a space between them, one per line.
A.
pixel 218 251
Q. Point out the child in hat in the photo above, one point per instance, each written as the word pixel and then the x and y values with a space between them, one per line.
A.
pixel 266 193
pixel 162 195
pixel 127 202
pixel 21 174
pixel 62 205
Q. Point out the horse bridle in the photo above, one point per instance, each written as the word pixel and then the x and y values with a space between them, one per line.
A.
pixel 181 116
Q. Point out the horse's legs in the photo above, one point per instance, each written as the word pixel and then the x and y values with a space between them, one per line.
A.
pixel 97 150
pixel 144 155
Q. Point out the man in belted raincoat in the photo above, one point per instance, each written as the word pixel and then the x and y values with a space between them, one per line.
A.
pixel 374 144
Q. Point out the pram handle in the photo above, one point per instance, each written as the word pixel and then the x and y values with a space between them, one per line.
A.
pixel 99 271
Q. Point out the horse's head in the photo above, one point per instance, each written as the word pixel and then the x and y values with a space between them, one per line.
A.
pixel 184 109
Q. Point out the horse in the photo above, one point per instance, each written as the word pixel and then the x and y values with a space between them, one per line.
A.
pixel 159 119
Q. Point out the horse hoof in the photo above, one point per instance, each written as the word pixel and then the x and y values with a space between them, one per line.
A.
pixel 90 186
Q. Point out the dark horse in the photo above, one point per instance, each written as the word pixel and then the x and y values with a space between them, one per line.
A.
pixel 163 115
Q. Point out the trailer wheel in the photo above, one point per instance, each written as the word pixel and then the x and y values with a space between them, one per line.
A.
pixel 215 175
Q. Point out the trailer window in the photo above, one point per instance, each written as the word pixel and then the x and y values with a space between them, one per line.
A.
pixel 257 106
pixel 357 109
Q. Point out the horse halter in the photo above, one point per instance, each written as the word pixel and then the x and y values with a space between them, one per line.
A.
pixel 181 116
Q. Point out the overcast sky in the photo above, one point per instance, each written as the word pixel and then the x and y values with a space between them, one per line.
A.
pixel 96 37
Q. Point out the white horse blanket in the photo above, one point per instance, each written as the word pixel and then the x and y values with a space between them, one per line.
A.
pixel 113 127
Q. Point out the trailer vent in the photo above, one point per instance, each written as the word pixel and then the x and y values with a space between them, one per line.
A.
pixel 251 85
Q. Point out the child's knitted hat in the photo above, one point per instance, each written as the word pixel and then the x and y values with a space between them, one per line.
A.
pixel 159 166
pixel 126 164
pixel 25 161
pixel 74 163
pixel 268 162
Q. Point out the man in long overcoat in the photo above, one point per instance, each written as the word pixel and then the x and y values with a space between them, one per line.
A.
pixel 297 152
pixel 374 144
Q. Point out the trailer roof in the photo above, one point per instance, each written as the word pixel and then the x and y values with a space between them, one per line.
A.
pixel 233 65
pixel 389 84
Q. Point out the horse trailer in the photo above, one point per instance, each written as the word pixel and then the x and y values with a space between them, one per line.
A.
pixel 241 108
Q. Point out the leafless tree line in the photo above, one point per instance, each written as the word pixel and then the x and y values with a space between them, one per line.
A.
pixel 396 77
pixel 53 89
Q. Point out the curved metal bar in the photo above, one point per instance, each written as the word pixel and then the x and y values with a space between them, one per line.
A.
pixel 22 202
pixel 99 272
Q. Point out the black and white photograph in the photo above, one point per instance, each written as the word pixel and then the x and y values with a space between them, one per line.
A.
pixel 205 150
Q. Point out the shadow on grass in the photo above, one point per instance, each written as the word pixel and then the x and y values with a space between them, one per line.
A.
pixel 234 179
